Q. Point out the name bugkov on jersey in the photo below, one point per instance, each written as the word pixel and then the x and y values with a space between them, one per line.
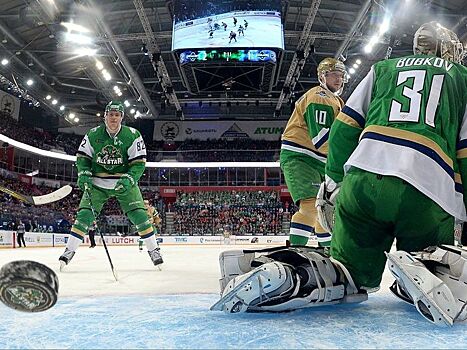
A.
pixel 424 61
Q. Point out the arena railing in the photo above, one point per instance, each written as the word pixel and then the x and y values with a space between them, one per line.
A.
pixel 59 166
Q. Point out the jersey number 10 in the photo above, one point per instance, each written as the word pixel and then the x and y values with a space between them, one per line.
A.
pixel 415 98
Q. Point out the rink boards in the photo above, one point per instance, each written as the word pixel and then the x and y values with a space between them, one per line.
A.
pixel 33 239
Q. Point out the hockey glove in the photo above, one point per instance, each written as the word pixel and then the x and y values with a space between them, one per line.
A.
pixel 84 179
pixel 124 184
pixel 325 203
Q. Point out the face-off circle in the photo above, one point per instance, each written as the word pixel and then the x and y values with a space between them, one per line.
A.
pixel 28 286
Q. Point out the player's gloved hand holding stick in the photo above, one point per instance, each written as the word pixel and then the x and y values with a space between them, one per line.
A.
pixel 84 179
pixel 86 190
pixel 123 184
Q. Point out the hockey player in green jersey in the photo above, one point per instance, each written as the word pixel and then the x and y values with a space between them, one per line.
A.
pixel 400 142
pixel 110 161
pixel 398 154
pixel 304 149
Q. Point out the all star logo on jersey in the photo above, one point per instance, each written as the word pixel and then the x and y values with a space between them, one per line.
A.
pixel 109 157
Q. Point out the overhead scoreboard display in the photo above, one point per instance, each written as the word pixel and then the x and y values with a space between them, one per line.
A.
pixel 202 24
pixel 192 56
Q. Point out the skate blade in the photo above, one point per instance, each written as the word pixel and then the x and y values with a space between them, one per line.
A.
pixel 62 265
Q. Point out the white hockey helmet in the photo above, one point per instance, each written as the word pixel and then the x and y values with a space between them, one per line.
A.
pixel 434 39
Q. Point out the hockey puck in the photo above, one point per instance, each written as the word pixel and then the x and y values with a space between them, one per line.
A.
pixel 28 286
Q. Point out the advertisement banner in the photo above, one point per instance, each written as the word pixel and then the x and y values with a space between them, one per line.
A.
pixel 6 239
pixel 38 239
pixel 9 104
pixel 269 130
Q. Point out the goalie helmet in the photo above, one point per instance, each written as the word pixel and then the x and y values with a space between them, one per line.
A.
pixel 330 64
pixel 115 106
pixel 434 39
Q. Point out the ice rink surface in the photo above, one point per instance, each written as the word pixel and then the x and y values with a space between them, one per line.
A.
pixel 264 32
pixel 148 308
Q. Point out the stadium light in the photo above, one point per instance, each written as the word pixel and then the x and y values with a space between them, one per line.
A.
pixel 30 82
pixel 48 97
pixel 78 39
pixel 126 103
pixel 351 71
pixel 62 107
pixel 5 62
pixel 358 61
pixel 54 101
pixel 76 27
pixel 99 65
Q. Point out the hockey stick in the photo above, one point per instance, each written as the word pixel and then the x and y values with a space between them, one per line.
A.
pixel 86 190
pixel 39 200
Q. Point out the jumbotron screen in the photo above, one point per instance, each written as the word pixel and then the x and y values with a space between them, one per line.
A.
pixel 203 24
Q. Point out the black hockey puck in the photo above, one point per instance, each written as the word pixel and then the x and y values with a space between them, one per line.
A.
pixel 28 286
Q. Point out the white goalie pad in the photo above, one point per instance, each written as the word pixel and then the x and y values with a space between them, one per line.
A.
pixel 277 286
pixel 233 263
pixel 434 280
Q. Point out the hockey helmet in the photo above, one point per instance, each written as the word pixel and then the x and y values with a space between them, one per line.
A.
pixel 330 64
pixel 115 106
pixel 434 39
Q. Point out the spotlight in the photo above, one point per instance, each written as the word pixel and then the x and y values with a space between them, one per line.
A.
pixel 54 102
pixel 358 61
pixel 98 114
pixel 5 62
pixel 71 116
pixel 132 111
pixel 48 97
pixel 62 107
pixel 144 49
pixel 126 103
pixel 29 82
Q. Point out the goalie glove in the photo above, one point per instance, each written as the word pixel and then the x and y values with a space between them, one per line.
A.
pixel 325 203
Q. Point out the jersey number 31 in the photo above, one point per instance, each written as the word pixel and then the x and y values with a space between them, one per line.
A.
pixel 415 98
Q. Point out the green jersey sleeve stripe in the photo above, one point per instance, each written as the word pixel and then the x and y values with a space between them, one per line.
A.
pixel 354 115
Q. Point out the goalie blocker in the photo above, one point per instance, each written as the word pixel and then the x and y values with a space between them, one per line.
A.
pixel 28 286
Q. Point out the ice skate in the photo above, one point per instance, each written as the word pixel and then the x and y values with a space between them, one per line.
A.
pixel 65 258
pixel 156 257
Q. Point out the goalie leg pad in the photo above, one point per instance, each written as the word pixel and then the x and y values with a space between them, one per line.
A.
pixel 434 280
pixel 233 263
pixel 293 278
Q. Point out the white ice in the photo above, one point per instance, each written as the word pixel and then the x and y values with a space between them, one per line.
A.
pixel 148 308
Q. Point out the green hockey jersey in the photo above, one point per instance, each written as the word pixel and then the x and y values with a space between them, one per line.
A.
pixel 108 158
pixel 407 118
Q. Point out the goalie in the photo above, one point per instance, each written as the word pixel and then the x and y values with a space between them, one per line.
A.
pixel 396 162
pixel 110 161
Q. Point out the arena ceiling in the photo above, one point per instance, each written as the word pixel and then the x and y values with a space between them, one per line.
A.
pixel 31 39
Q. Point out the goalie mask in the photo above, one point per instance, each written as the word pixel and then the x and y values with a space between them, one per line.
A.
pixel 434 39
pixel 329 65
